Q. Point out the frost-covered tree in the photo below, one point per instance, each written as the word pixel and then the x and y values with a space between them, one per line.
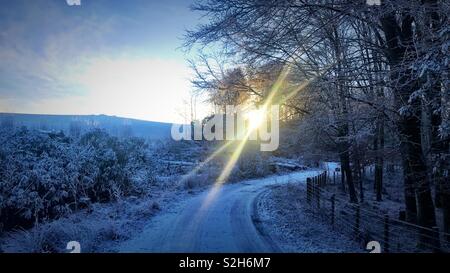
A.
pixel 368 66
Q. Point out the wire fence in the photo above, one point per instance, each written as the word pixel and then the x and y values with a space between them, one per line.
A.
pixel 365 224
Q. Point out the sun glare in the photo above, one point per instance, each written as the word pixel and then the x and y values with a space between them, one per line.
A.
pixel 255 118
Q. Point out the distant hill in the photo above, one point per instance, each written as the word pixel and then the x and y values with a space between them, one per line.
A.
pixel 76 124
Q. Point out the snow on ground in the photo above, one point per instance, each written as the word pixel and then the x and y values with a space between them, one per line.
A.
pixel 295 229
pixel 99 228
pixel 166 221
pixel 222 222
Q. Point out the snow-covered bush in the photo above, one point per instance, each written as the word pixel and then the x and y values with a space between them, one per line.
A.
pixel 252 164
pixel 53 237
pixel 124 166
pixel 45 175
pixel 37 177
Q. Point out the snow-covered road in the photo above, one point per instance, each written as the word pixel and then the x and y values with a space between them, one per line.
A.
pixel 225 222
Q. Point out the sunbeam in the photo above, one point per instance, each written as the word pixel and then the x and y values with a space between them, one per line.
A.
pixel 226 171
pixel 236 154
pixel 206 161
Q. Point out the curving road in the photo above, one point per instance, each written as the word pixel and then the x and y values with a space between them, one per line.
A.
pixel 225 221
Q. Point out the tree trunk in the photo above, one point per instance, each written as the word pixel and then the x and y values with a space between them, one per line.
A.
pixel 345 150
pixel 445 198
pixel 342 178
pixel 345 166
pixel 343 123
pixel 375 149
pixel 445 167
pixel 399 42
pixel 436 147
pixel 379 146
pixel 359 176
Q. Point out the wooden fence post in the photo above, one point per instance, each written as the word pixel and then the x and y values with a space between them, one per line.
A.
pixel 318 194
pixel 437 240
pixel 308 190
pixel 343 180
pixel 333 199
pixel 314 187
pixel 402 215
pixel 386 233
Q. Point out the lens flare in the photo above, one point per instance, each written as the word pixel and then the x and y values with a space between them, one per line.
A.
pixel 255 118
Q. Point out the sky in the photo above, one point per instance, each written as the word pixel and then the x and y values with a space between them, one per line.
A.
pixel 110 57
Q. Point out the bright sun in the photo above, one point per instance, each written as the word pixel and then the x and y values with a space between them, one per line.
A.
pixel 255 118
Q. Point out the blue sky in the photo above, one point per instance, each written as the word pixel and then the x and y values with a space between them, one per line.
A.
pixel 111 57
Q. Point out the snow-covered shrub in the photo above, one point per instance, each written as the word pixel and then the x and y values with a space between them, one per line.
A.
pixel 45 175
pixel 124 167
pixel 141 181
pixel 196 180
pixel 93 230
pixel 37 177
pixel 252 164
pixel 145 209
pixel 53 237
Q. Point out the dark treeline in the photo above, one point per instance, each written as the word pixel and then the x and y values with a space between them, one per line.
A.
pixel 368 82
